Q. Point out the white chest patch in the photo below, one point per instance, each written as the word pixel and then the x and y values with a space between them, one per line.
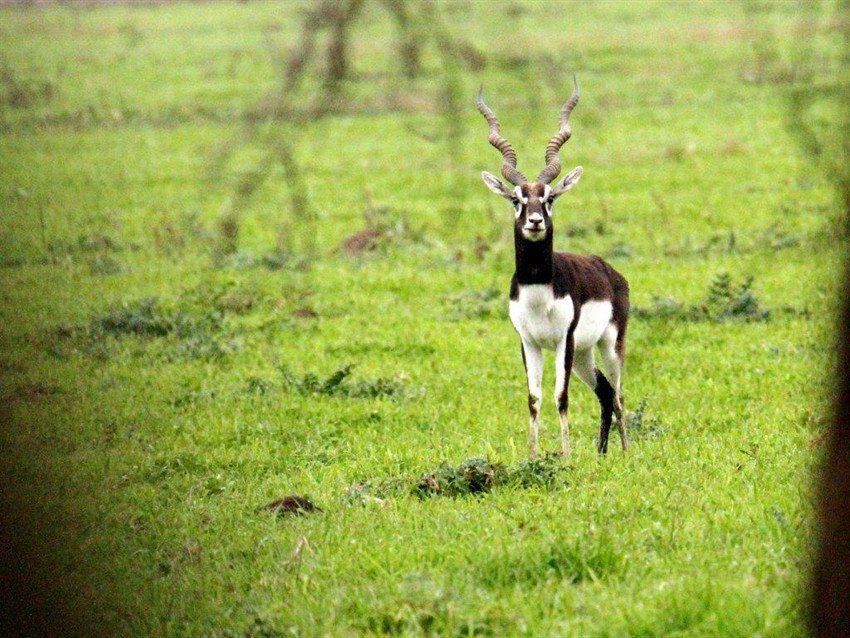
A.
pixel 541 319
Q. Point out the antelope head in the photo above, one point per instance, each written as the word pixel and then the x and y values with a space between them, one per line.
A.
pixel 532 201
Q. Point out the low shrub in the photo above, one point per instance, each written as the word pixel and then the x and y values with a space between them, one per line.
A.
pixel 726 301
pixel 339 383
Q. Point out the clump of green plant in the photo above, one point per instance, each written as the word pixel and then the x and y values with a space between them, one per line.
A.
pixel 194 322
pixel 726 301
pixel 473 476
pixel 546 471
pixel 375 490
pixel 222 297
pixel 194 396
pixel 339 383
pixel 206 345
pixel 201 309
pixel 258 385
pixel 642 426
pixel 196 331
pixel 478 475
pixel 143 317
pixel 311 383
pixel 95 249
pixel 477 304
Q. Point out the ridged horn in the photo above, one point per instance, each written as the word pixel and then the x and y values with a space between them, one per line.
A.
pixel 553 162
pixel 495 138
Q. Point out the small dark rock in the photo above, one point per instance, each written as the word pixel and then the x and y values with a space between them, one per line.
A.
pixel 291 505
pixel 363 241
pixel 305 312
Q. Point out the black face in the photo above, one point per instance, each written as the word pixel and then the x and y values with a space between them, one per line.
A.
pixel 533 209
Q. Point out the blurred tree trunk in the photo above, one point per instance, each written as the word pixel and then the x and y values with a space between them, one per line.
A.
pixel 409 39
pixel 340 26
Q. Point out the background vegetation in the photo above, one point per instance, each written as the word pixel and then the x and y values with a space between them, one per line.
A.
pixel 224 282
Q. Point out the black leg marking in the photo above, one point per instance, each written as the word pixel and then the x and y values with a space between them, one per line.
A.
pixel 605 394
pixel 569 352
pixel 564 397
pixel 532 406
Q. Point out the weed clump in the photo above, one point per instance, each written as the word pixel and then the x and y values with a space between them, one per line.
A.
pixel 193 313
pixel 477 304
pixel 311 383
pixel 339 383
pixel 194 322
pixel 375 490
pixel 545 471
pixel 205 345
pixel 144 317
pixel 197 332
pixel 473 476
pixel 258 385
pixel 726 301
pixel 642 426
pixel 479 475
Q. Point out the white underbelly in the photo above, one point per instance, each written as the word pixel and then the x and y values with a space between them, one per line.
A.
pixel 594 319
pixel 542 320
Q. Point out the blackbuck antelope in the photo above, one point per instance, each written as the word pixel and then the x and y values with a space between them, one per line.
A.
pixel 560 301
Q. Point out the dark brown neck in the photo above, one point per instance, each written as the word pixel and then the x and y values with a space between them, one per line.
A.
pixel 533 259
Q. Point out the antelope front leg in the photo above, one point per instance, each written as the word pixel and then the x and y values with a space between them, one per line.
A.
pixel 532 358
pixel 621 424
pixel 563 366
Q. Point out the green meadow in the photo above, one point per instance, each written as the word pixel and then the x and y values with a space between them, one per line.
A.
pixel 205 307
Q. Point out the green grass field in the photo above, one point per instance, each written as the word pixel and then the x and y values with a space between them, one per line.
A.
pixel 157 389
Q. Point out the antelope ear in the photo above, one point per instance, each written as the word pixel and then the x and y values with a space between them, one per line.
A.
pixel 568 182
pixel 496 185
